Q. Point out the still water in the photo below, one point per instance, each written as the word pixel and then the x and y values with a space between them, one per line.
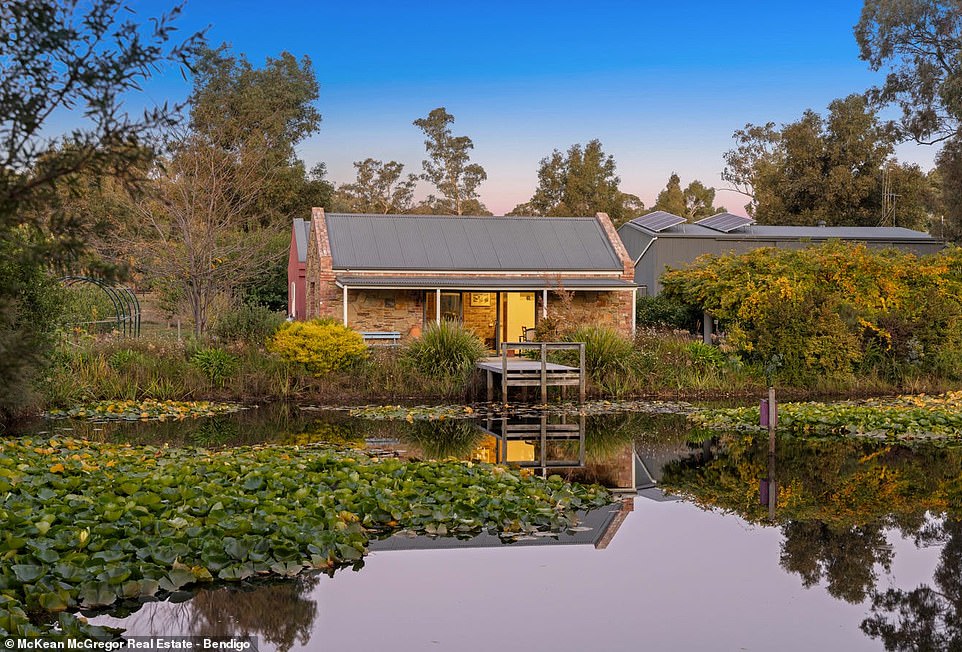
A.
pixel 863 550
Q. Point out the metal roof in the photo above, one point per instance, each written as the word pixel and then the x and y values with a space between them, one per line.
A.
pixel 301 228
pixel 484 282
pixel 658 220
pixel 759 232
pixel 725 222
pixel 469 244
pixel 596 524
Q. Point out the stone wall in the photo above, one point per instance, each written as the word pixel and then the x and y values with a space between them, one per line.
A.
pixel 481 319
pixel 385 310
pixel 582 308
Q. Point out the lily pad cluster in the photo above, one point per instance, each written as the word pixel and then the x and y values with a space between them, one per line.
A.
pixel 442 412
pixel 145 410
pixel 86 526
pixel 905 417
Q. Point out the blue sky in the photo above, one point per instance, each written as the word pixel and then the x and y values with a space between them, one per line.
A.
pixel 662 85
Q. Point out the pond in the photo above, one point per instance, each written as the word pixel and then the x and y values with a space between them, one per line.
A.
pixel 862 550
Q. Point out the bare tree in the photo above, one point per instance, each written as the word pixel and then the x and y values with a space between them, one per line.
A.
pixel 199 237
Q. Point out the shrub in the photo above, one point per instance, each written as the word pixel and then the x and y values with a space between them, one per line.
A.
pixel 320 346
pixel 611 359
pixel 606 349
pixel 216 364
pixel 665 312
pixel 248 324
pixel 447 349
pixel 832 311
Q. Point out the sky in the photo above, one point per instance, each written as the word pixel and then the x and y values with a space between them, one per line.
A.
pixel 663 85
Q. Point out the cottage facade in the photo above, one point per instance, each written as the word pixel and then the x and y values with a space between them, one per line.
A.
pixel 498 275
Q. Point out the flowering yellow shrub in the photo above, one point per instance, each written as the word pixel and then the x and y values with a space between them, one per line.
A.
pixel 835 310
pixel 321 346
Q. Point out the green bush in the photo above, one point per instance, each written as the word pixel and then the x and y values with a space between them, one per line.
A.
pixel 321 346
pixel 611 359
pixel 247 324
pixel 662 311
pixel 216 364
pixel 447 349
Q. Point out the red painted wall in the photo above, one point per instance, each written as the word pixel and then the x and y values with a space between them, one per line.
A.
pixel 296 274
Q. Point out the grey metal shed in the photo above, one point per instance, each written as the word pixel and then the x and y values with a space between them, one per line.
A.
pixel 654 248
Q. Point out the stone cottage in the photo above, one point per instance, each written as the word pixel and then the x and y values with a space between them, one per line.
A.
pixel 500 276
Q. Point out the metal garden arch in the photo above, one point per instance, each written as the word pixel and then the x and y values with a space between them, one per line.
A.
pixel 125 303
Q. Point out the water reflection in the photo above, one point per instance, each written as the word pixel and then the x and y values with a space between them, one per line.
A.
pixel 842 510
pixel 839 501
pixel 928 617
pixel 279 613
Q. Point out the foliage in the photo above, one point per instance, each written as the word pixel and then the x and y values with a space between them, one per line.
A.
pixel 224 198
pixel 145 410
pixel 581 181
pixel 414 413
pixel 269 110
pixel 833 310
pixel 378 188
pixel 693 203
pixel 919 44
pixel 29 327
pixel 826 170
pixel 94 525
pixel 248 324
pixel 611 358
pixel 447 164
pixel 905 417
pixel 216 364
pixel 65 56
pixel 664 311
pixel 447 350
pixel 948 178
pixel 321 346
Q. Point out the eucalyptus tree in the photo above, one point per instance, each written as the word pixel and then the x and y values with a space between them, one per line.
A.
pixel 378 188
pixel 447 165
pixel 580 181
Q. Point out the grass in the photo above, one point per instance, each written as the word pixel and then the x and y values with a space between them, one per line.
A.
pixel 656 364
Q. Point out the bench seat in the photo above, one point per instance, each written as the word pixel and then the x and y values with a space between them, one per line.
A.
pixel 390 338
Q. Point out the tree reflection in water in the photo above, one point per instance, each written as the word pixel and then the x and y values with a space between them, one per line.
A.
pixel 837 500
pixel 845 559
pixel 277 613
pixel 924 618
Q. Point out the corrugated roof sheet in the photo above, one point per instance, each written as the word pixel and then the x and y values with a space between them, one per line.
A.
pixel 756 232
pixel 301 228
pixel 450 243
pixel 454 282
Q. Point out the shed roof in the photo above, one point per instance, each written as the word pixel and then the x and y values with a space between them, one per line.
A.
pixel 469 244
pixel 301 228
pixel 761 232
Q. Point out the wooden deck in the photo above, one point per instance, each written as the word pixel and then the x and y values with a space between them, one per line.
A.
pixel 523 372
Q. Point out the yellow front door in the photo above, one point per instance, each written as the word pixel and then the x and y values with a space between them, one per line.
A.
pixel 517 310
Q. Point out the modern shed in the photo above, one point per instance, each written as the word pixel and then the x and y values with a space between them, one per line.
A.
pixel 660 240
pixel 500 276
